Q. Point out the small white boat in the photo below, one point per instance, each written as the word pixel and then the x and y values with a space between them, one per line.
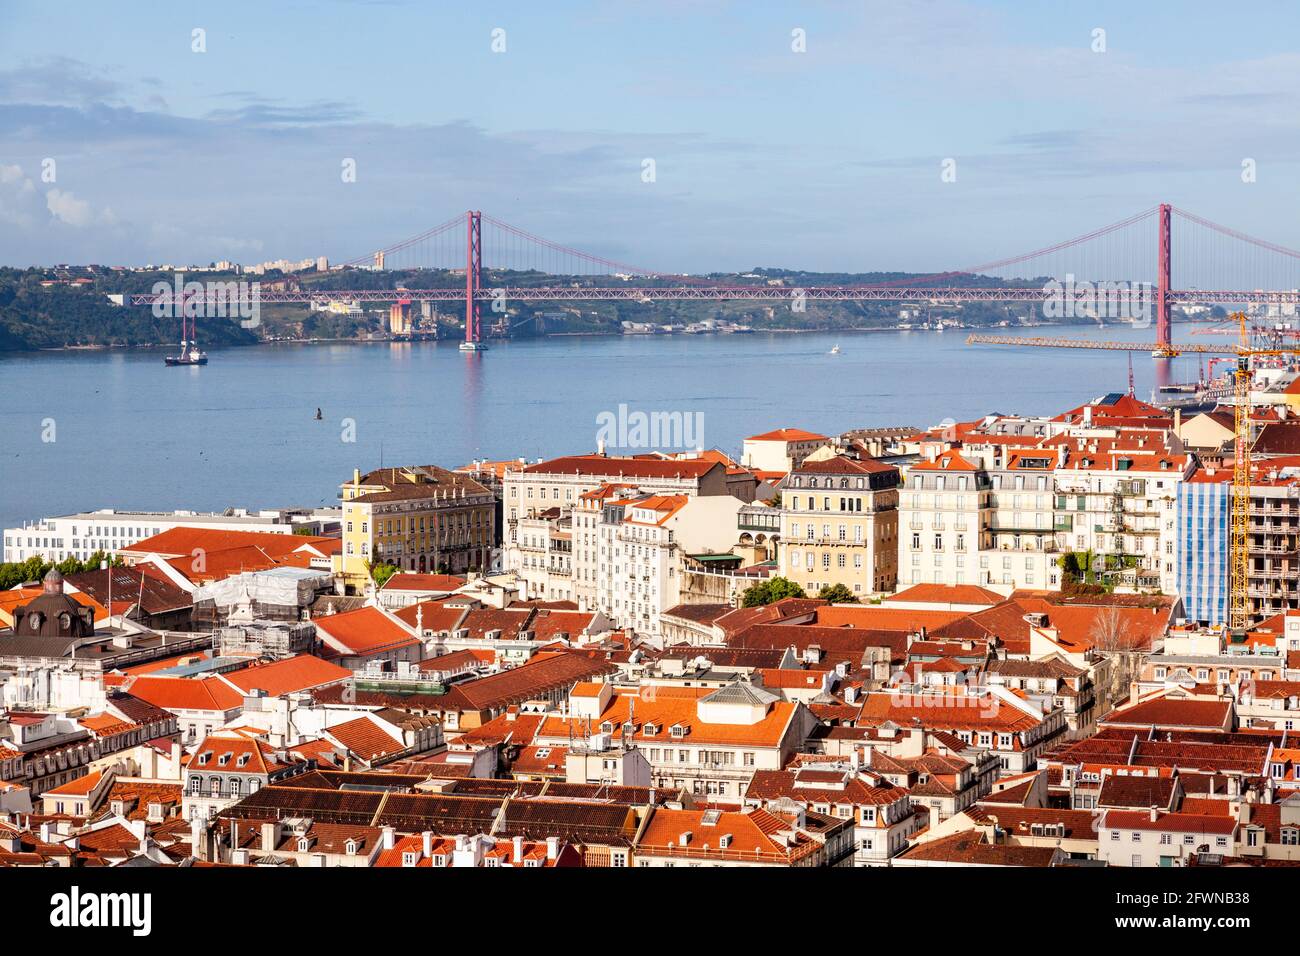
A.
pixel 836 349
pixel 473 347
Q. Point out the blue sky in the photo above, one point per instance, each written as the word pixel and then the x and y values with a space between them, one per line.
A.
pixel 828 159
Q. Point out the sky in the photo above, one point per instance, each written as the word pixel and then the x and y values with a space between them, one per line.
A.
pixel 122 142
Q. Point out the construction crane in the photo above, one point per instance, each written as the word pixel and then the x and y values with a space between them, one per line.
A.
pixel 976 338
pixel 1239 553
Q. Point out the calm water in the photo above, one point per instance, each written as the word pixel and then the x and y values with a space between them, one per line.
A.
pixel 131 433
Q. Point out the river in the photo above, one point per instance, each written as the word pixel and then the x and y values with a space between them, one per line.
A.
pixel 84 430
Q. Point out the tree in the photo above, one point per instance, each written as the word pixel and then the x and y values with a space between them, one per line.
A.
pixel 34 569
pixel 770 591
pixel 837 594
pixel 1112 637
pixel 380 572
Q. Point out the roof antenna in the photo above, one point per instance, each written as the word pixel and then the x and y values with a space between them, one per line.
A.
pixel 1130 374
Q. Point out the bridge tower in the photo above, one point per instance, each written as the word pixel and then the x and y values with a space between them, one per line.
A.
pixel 1163 250
pixel 473 277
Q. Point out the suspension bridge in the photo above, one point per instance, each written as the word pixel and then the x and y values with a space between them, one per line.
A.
pixel 1119 262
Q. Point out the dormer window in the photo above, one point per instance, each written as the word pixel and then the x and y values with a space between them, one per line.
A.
pixel 409 858
pixel 223 760
pixel 304 844
pixel 629 728
pixel 205 757
pixel 678 730
pixel 607 727
pixel 243 759
pixel 650 730
pixel 350 847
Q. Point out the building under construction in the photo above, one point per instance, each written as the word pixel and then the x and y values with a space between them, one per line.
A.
pixel 275 594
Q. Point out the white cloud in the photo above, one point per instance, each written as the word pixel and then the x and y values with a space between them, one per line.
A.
pixel 67 208
pixel 16 195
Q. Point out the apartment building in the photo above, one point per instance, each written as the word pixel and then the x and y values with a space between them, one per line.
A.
pixel 780 450
pixel 554 509
pixel 1014 727
pixel 706 740
pixel 560 482
pixel 1120 504
pixel 945 515
pixel 228 765
pixel 1155 838
pixel 420 518
pixel 755 837
pixel 839 525
pixel 882 813
pixel 641 543
pixel 545 554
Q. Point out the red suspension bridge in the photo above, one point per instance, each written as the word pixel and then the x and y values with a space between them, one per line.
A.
pixel 1116 264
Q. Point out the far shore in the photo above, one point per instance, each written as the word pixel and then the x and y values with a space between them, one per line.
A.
pixel 162 347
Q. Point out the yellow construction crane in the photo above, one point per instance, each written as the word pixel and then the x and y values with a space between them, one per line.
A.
pixel 1239 554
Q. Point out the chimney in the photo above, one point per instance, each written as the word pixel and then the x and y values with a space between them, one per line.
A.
pixel 552 847
pixel 270 833
pixel 426 843
pixel 519 851
pixel 198 846
pixel 387 838
pixel 1154 813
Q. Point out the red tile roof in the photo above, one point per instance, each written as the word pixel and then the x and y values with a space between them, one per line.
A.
pixel 610 467
pixel 365 738
pixel 186 693
pixel 288 676
pixel 408 581
pixel 787 434
pixel 367 630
